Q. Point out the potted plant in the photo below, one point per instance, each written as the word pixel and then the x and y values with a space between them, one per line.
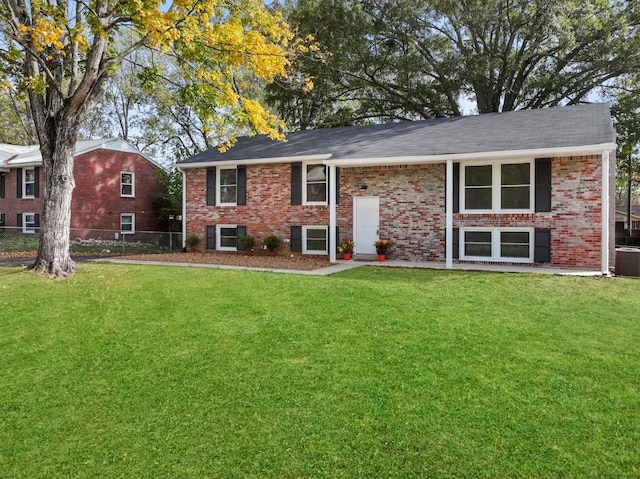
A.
pixel 381 248
pixel 249 242
pixel 272 242
pixel 192 241
pixel 346 248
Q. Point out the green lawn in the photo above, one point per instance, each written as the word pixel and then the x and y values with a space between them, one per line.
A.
pixel 153 372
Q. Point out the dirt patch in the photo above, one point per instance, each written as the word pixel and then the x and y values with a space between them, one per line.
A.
pixel 294 262
pixel 17 254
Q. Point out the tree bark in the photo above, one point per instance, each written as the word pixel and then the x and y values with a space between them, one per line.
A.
pixel 57 146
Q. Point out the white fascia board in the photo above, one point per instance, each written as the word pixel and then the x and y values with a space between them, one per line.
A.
pixel 24 163
pixel 255 161
pixel 482 156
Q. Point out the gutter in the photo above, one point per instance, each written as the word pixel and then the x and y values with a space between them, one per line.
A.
pixel 482 156
pixel 256 161
pixel 329 160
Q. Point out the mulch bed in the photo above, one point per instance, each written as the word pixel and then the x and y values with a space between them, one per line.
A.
pixel 294 262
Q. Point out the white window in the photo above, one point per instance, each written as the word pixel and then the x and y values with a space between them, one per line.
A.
pixel 315 184
pixel 127 223
pixel 127 184
pixel 314 239
pixel 227 186
pixel 29 183
pixel 513 245
pixel 227 237
pixel 29 222
pixel 497 187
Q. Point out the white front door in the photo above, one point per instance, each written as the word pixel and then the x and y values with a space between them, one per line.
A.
pixel 366 219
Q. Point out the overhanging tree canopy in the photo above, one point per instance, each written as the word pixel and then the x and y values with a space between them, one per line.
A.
pixel 62 52
pixel 414 59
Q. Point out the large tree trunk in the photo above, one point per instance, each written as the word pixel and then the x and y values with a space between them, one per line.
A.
pixel 58 151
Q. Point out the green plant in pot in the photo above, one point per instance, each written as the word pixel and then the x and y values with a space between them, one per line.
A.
pixel 272 242
pixel 248 242
pixel 381 248
pixel 346 248
pixel 192 241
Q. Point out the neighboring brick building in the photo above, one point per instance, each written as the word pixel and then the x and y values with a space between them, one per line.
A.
pixel 115 189
pixel 529 187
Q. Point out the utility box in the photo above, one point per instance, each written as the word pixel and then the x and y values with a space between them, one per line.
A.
pixel 628 262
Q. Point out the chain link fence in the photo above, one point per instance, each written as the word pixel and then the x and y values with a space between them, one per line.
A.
pixel 92 241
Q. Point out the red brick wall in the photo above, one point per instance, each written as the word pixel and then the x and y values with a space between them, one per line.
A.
pixel 411 207
pixel 11 206
pixel 575 219
pixel 96 202
pixel 268 209
pixel 412 211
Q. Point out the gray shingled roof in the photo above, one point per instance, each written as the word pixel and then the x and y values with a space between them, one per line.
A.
pixel 558 127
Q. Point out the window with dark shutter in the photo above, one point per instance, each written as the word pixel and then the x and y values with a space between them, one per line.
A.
pixel 211 187
pixel 296 183
pixel 456 243
pixel 296 239
pixel 337 187
pixel 2 188
pixel 456 187
pixel 241 231
pixel 211 237
pixel 543 184
pixel 36 182
pixel 242 186
pixel 19 220
pixel 542 246
pixel 19 183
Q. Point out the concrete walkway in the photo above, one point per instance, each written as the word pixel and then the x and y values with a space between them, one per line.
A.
pixel 340 265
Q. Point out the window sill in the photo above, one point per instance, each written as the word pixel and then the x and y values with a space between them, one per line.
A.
pixel 497 212
pixel 485 259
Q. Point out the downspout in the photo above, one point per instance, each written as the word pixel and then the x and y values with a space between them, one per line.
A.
pixel 332 214
pixel 449 216
pixel 605 212
pixel 184 207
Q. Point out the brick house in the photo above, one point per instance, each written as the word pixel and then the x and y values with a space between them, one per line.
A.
pixel 115 189
pixel 526 187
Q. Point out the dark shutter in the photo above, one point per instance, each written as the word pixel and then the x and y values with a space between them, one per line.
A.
pixel 296 239
pixel 241 193
pixel 19 220
pixel 211 186
pixel 296 183
pixel 543 184
pixel 456 187
pixel 36 182
pixel 2 220
pixel 211 237
pixel 37 222
pixel 456 243
pixel 240 232
pixel 19 183
pixel 337 187
pixel 337 239
pixel 2 190
pixel 542 246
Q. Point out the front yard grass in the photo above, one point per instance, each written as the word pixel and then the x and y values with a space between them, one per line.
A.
pixel 151 372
